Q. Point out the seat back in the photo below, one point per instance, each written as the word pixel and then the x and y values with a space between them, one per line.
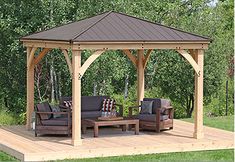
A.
pixel 158 103
pixel 92 103
pixel 88 103
pixel 44 107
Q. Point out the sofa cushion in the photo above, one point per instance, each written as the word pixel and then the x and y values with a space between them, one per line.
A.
pixel 91 114
pixel 146 107
pixel 92 103
pixel 56 122
pixel 151 117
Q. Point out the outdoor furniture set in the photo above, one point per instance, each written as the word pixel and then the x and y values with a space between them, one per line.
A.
pixel 96 111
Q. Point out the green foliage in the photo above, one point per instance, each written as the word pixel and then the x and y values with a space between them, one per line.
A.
pixel 217 106
pixel 7 118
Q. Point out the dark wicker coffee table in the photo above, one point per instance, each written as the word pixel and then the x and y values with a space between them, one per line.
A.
pixel 124 123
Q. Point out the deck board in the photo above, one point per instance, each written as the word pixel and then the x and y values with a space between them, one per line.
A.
pixel 22 144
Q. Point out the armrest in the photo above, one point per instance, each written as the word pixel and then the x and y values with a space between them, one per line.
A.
pixel 162 110
pixel 131 109
pixel 120 109
pixel 52 112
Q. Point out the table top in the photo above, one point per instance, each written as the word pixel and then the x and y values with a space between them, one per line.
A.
pixel 125 119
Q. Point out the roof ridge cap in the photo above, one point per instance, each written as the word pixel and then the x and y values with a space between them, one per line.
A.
pixel 91 25
pixel 163 25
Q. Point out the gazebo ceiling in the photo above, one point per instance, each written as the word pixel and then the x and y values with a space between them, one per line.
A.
pixel 115 27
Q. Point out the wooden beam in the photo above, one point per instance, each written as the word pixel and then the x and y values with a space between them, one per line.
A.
pixel 190 59
pixel 30 88
pixel 76 99
pixel 41 55
pixel 147 57
pixel 116 45
pixel 143 45
pixel 31 57
pixel 66 55
pixel 131 56
pixel 198 111
pixel 89 61
pixel 140 76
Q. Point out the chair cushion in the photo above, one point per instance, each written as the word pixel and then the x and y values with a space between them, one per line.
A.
pixel 108 105
pixel 56 122
pixel 156 103
pixel 159 103
pixel 91 114
pixel 146 107
pixel 151 117
pixel 44 107
pixel 92 103
pixel 56 109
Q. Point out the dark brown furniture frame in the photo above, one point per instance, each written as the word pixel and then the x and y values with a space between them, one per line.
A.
pixel 157 125
pixel 41 128
pixel 97 123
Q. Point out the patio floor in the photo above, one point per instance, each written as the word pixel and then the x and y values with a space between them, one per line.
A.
pixel 18 142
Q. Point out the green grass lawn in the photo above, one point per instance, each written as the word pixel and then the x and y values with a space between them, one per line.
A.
pixel 221 122
pixel 224 122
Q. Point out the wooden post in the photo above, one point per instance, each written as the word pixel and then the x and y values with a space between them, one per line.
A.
pixel 30 89
pixel 198 121
pixel 76 99
pixel 140 75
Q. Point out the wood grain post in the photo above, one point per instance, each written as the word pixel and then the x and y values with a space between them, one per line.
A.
pixel 76 99
pixel 30 89
pixel 198 116
pixel 140 75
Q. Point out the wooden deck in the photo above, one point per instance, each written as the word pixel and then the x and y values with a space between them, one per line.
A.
pixel 22 144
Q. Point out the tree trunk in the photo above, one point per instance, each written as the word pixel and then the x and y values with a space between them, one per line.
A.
pixel 52 81
pixel 190 105
pixel 126 86
pixel 59 89
pixel 95 89
pixel 55 85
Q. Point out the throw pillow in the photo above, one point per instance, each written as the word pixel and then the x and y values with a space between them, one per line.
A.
pixel 55 109
pixel 108 105
pixel 146 107
pixel 68 103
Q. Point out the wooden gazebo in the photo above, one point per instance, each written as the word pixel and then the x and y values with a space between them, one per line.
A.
pixel 114 31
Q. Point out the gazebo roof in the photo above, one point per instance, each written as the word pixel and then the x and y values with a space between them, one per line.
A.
pixel 115 27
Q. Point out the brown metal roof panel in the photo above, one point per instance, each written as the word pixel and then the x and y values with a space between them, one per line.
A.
pixel 124 28
pixel 119 30
pixel 141 29
pixel 152 30
pixel 64 32
pixel 113 27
